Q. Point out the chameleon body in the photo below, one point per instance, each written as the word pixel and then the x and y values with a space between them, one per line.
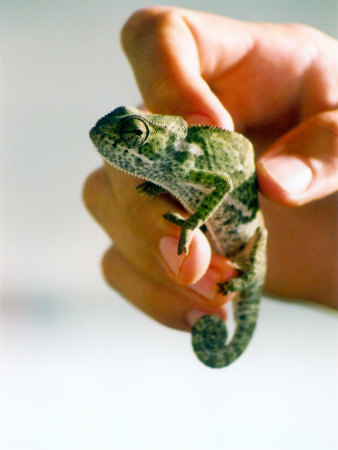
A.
pixel 211 172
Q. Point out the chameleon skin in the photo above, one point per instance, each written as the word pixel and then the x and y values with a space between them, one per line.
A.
pixel 211 172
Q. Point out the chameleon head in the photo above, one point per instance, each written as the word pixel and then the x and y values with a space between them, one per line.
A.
pixel 133 140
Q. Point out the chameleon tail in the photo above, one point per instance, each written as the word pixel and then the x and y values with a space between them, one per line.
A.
pixel 209 333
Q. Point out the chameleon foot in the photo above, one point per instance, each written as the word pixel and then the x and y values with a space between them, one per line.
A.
pixel 236 284
pixel 150 189
pixel 186 231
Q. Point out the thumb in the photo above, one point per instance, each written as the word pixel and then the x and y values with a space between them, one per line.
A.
pixel 302 166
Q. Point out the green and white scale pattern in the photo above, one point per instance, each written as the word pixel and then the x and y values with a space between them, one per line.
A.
pixel 211 172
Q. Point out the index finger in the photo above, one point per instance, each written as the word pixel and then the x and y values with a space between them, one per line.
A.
pixel 205 67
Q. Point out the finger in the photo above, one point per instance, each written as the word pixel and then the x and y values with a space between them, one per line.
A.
pixel 165 304
pixel 148 242
pixel 303 165
pixel 165 59
pixel 142 216
pixel 102 203
pixel 203 67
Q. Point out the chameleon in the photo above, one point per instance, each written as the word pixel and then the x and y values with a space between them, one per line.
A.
pixel 211 172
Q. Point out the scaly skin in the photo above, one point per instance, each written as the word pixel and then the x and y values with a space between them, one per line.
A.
pixel 211 172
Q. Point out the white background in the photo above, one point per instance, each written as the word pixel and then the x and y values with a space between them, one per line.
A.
pixel 81 368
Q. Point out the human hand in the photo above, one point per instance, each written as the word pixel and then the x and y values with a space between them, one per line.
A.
pixel 143 264
pixel 269 79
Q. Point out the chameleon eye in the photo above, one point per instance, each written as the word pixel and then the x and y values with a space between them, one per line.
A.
pixel 134 131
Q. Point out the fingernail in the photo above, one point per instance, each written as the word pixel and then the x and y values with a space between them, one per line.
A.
pixel 168 248
pixel 290 172
pixel 207 285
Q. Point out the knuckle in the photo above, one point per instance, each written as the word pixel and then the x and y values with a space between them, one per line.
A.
pixel 107 266
pixel 144 22
pixel 303 30
pixel 89 189
pixel 93 188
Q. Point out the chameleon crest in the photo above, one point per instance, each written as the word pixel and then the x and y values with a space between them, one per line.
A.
pixel 211 172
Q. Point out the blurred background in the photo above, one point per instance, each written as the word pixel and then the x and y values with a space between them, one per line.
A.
pixel 81 368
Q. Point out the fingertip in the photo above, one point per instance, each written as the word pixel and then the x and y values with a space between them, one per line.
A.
pixel 186 268
pixel 198 259
pixel 303 165
pixel 284 178
pixel 168 249
pixel 90 187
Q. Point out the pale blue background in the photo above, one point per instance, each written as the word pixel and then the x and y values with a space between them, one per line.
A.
pixel 81 368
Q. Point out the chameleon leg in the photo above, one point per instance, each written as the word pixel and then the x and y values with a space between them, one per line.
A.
pixel 221 186
pixel 252 266
pixel 187 230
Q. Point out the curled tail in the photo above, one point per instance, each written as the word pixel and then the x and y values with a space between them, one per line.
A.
pixel 209 333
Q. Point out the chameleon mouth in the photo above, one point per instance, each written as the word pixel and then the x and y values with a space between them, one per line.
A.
pixel 93 134
pixel 96 138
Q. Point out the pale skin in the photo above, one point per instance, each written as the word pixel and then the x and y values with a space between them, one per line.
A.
pixel 278 85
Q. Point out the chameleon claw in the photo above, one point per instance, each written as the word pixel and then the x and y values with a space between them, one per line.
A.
pixel 186 231
pixel 185 239
pixel 203 228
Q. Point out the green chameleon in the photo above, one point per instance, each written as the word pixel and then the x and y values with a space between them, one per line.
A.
pixel 212 173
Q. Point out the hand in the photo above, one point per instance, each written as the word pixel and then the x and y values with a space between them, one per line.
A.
pixel 278 85
pixel 268 78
